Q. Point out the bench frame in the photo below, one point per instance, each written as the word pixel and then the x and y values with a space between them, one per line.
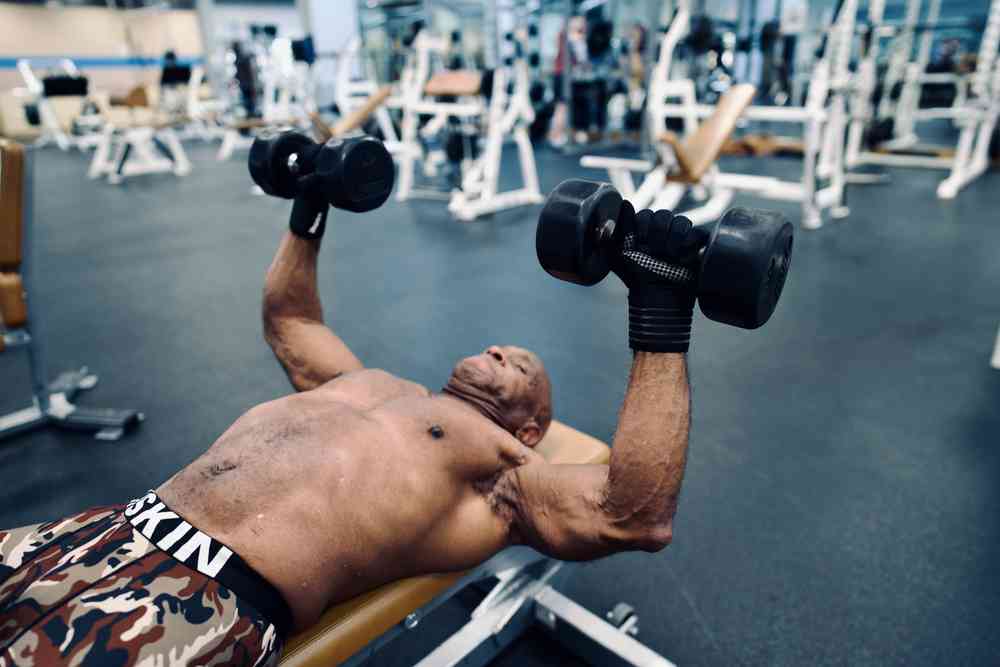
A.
pixel 132 151
pixel 52 402
pixel 519 590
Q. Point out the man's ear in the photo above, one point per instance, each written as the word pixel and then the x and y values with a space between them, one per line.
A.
pixel 530 433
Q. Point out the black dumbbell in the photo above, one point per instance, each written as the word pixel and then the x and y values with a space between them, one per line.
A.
pixel 355 174
pixel 740 273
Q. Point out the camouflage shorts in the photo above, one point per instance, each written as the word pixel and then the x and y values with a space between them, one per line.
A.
pixel 123 585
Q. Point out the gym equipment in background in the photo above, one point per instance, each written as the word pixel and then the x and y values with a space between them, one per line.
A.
pixel 823 119
pixel 274 77
pixel 691 165
pixel 884 133
pixel 137 139
pixel 355 83
pixel 507 112
pixel 66 113
pixel 52 402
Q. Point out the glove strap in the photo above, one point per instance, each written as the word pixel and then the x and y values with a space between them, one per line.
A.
pixel 660 321
pixel 308 219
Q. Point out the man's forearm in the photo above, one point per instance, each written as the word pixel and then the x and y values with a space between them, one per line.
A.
pixel 650 445
pixel 290 289
pixel 308 350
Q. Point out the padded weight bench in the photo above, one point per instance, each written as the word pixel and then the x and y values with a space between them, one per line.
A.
pixel 517 587
pixel 52 402
pixel 692 165
pixel 137 139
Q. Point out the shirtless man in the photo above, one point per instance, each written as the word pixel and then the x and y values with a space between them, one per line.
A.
pixel 358 479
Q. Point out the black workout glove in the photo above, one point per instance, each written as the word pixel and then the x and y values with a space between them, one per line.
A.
pixel 309 211
pixel 657 262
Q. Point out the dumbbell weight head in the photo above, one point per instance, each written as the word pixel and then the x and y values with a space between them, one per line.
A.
pixel 744 267
pixel 574 228
pixel 357 174
pixel 269 162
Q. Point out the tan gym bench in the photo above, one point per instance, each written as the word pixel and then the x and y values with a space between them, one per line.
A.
pixel 13 308
pixel 693 162
pixel 696 154
pixel 51 402
pixel 352 632
pixel 351 121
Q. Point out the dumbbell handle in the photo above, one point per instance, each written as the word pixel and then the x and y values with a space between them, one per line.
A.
pixel 605 236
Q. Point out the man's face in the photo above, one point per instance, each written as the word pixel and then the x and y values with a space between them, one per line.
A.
pixel 514 382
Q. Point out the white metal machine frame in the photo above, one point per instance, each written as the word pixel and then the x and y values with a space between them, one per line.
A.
pixel 995 361
pixel 507 114
pixel 52 131
pixel 520 588
pixel 287 100
pixel 131 150
pixel 355 83
pixel 975 112
pixel 823 119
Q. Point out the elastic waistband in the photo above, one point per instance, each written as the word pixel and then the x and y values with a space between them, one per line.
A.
pixel 170 532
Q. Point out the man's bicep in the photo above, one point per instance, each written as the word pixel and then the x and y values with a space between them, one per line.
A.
pixel 558 510
pixel 310 352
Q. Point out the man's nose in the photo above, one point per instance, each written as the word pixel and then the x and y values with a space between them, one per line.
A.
pixel 497 354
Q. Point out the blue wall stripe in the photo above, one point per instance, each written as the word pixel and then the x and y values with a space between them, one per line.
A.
pixel 85 62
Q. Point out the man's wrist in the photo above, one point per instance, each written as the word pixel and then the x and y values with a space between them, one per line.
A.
pixel 660 320
pixel 308 219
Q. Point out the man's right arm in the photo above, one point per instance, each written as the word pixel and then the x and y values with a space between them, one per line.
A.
pixel 630 504
pixel 582 512
pixel 309 351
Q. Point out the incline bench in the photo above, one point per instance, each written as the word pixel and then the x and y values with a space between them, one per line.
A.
pixel 52 402
pixel 522 594
pixel 693 163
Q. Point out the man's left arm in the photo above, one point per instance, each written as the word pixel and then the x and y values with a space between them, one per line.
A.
pixel 309 351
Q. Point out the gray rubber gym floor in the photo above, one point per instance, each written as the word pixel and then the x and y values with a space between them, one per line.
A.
pixel 842 500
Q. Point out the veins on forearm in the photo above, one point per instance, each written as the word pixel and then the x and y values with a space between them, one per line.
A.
pixel 649 456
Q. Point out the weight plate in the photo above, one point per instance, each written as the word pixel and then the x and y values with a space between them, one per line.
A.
pixel 366 175
pixel 566 240
pixel 745 266
pixel 268 162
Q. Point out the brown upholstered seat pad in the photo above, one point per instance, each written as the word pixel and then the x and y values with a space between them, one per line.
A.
pixel 13 309
pixel 700 151
pixel 356 118
pixel 348 627
pixel 11 204
pixel 454 82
